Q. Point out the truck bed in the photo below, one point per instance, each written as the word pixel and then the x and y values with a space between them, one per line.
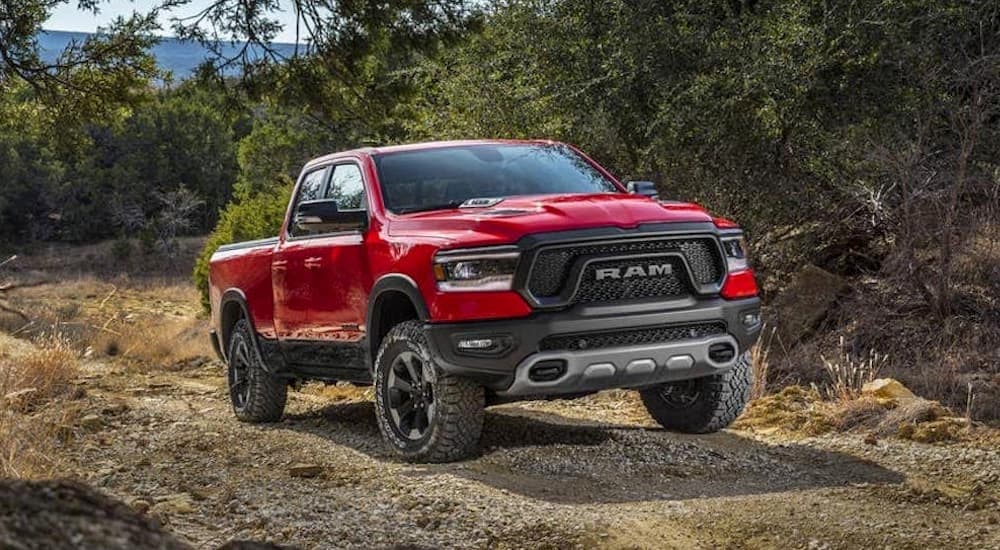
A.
pixel 245 267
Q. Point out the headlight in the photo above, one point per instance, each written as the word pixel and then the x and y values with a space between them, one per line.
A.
pixel 736 253
pixel 482 269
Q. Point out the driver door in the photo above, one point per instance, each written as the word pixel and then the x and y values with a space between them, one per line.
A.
pixel 341 278
pixel 291 276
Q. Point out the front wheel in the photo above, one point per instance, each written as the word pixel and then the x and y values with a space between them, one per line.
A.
pixel 423 413
pixel 701 405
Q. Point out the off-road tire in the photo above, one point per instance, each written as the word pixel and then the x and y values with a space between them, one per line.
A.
pixel 453 431
pixel 263 399
pixel 715 401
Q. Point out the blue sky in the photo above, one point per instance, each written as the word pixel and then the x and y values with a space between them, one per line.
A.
pixel 67 18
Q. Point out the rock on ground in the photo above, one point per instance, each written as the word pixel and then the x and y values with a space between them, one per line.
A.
pixel 66 514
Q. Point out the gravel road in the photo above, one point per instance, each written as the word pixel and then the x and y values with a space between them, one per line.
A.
pixel 592 472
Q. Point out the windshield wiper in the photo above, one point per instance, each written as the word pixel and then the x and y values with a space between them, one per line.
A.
pixel 426 208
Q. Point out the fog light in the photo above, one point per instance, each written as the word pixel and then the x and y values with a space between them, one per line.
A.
pixel 479 344
pixel 750 319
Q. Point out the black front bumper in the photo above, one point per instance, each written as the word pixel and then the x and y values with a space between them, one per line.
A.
pixel 595 369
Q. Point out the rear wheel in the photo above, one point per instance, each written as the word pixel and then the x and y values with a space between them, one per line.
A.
pixel 423 413
pixel 255 394
pixel 701 405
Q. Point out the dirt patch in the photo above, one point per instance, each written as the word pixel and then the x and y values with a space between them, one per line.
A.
pixel 561 474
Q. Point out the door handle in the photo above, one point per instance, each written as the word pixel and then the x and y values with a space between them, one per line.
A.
pixel 313 262
pixel 279 265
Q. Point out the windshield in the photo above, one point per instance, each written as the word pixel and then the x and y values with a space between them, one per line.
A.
pixel 433 179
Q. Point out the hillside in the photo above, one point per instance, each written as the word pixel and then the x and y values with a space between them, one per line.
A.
pixel 177 56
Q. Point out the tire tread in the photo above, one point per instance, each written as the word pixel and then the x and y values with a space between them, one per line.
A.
pixel 460 405
pixel 268 395
pixel 721 400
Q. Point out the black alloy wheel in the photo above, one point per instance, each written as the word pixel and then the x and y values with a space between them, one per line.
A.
pixel 424 413
pixel 239 374
pixel 680 395
pixel 411 396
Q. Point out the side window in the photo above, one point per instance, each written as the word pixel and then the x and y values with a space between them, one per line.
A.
pixel 347 187
pixel 310 190
pixel 312 185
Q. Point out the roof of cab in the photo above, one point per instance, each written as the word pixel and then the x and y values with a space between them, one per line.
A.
pixel 371 151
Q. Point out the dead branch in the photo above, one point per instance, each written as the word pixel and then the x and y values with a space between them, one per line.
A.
pixel 14 286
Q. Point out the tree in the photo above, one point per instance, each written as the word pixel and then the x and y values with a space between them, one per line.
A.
pixel 89 77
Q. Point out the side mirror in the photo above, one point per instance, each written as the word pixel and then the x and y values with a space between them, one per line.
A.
pixel 645 188
pixel 324 216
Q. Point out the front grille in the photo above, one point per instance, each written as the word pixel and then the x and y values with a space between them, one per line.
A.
pixel 630 337
pixel 670 284
pixel 551 269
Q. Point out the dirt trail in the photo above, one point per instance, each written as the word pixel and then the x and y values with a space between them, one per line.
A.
pixel 586 473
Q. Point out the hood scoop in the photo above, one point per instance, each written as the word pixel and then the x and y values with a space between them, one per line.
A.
pixel 481 202
pixel 488 203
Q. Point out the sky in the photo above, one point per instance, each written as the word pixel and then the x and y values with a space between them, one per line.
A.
pixel 66 17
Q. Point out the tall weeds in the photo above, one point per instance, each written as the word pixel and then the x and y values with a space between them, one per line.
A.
pixel 29 383
pixel 848 374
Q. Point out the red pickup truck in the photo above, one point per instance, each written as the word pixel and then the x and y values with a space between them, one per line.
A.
pixel 456 275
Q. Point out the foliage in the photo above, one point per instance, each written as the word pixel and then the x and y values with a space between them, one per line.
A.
pixel 83 182
pixel 867 124
pixel 90 78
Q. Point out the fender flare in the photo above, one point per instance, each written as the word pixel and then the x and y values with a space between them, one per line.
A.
pixel 230 296
pixel 392 282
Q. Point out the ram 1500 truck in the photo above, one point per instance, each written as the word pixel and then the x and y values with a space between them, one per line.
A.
pixel 455 275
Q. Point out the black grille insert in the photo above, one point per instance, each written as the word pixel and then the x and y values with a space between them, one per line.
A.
pixel 552 266
pixel 657 277
pixel 631 337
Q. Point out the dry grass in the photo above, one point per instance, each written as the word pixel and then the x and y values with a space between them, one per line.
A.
pixel 760 363
pixel 33 381
pixel 798 412
pixel 794 410
pixel 944 359
pixel 860 413
pixel 37 376
pixel 801 412
pixel 70 261
pixel 848 374
pixel 149 322
pixel 154 341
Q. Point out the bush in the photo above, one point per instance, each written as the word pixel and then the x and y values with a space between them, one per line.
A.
pixel 257 217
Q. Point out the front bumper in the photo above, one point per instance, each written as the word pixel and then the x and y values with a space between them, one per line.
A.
pixel 513 373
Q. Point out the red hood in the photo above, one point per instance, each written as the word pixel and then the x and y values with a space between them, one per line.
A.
pixel 515 217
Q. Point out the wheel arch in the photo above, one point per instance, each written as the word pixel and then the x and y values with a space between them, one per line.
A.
pixel 233 307
pixel 394 298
